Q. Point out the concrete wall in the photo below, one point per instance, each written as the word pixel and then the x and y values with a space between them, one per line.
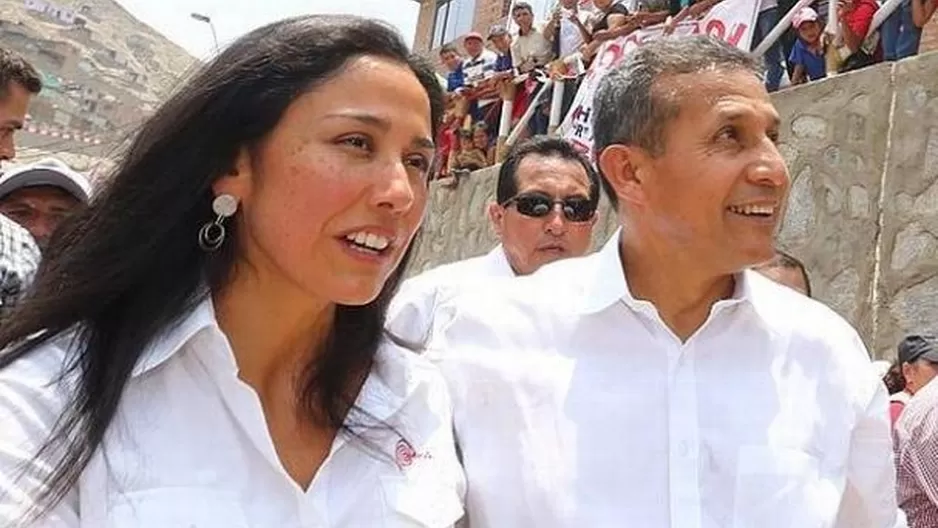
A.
pixel 862 150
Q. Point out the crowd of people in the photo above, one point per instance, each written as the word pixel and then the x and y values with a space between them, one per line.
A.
pixel 221 336
pixel 513 67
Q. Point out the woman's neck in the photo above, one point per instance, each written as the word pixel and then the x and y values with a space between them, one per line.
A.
pixel 273 331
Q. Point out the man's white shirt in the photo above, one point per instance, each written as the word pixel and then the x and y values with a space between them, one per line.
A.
pixel 413 309
pixel 575 406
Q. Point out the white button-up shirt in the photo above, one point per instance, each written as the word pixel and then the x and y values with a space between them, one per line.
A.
pixel 575 406
pixel 413 309
pixel 190 448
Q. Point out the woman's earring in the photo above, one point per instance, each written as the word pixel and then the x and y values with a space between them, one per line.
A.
pixel 212 234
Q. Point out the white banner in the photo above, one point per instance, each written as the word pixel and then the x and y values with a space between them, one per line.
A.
pixel 730 20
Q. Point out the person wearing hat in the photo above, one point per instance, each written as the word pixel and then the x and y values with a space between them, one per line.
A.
pixel 501 41
pixel 916 433
pixel 478 67
pixel 39 195
pixel 807 55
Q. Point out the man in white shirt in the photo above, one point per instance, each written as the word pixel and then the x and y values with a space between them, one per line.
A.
pixel 660 382
pixel 530 48
pixel 545 209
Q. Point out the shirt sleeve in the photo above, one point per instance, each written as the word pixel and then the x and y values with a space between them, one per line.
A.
pixel 870 494
pixel 917 456
pixel 30 404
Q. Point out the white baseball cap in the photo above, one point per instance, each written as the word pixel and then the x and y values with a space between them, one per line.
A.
pixel 805 14
pixel 47 171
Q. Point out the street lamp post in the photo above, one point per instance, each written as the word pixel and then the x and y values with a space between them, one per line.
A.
pixel 207 20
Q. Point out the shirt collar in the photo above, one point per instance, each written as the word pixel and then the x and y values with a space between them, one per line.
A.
pixel 497 263
pixel 383 393
pixel 171 340
pixel 606 283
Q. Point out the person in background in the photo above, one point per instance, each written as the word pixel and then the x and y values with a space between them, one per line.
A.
pixel 19 259
pixel 610 23
pixel 501 41
pixel 478 68
pixel 788 271
pixel 19 254
pixel 40 195
pixel 899 394
pixel 916 433
pixel 901 32
pixel 545 208
pixel 529 51
pixel 469 157
pixel 482 141
pixel 203 345
pixel 530 48
pixel 774 56
pixel 452 61
pixel 856 17
pixel 568 30
pixel 807 54
pixel 19 82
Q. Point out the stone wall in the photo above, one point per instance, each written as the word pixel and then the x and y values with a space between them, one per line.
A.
pixel 862 150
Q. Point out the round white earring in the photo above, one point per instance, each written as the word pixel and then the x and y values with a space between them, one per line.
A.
pixel 212 234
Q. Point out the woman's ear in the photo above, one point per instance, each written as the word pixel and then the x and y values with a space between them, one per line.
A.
pixel 238 181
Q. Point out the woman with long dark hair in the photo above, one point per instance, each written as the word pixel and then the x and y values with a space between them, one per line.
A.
pixel 204 346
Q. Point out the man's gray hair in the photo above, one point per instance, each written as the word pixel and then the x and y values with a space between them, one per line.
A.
pixel 628 109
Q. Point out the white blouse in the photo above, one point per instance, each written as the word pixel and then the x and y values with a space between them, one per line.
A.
pixel 189 447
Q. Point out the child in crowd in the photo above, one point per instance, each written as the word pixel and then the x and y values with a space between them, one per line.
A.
pixel 481 141
pixel 468 156
pixel 807 55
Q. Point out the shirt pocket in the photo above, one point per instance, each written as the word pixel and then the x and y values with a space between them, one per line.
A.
pixel 778 487
pixel 175 508
pixel 413 503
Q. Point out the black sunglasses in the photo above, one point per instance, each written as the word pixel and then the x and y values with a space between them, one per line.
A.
pixel 539 205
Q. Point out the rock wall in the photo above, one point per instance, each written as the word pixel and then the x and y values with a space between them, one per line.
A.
pixel 862 150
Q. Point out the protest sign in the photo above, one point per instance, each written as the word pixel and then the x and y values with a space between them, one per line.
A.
pixel 730 20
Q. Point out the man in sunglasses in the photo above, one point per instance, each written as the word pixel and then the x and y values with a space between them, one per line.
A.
pixel 545 206
pixel 660 382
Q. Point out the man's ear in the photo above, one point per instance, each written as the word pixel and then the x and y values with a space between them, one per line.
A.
pixel 625 168
pixel 497 218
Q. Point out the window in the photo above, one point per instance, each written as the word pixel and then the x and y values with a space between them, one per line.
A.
pixel 453 18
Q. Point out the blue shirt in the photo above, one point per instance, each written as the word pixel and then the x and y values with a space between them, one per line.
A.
pixel 813 64
pixel 455 80
pixel 503 63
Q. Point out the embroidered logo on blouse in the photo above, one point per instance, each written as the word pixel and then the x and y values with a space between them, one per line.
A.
pixel 405 454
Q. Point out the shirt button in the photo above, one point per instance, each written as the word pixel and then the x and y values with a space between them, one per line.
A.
pixel 684 449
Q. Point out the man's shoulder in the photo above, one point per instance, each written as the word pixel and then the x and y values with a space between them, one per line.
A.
pixel 806 322
pixel 550 291
pixel 452 271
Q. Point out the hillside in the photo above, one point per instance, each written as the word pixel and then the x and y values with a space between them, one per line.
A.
pixel 139 48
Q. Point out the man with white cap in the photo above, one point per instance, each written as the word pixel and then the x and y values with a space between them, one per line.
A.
pixel 39 195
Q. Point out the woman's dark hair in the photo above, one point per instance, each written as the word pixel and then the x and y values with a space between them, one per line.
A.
pixel 130 267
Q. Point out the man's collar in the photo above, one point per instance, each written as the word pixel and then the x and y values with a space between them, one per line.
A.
pixel 606 284
pixel 498 263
